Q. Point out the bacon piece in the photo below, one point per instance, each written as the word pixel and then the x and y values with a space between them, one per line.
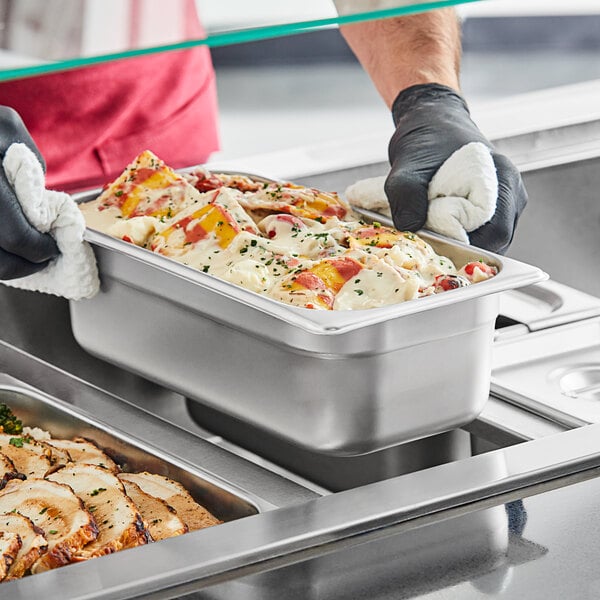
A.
pixel 319 284
pixel 296 200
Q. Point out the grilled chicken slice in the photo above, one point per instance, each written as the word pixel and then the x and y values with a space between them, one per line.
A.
pixel 8 471
pixel 29 457
pixel 82 451
pixel 194 515
pixel 58 456
pixel 119 522
pixel 56 510
pixel 33 540
pixel 10 544
pixel 160 518
pixel 7 467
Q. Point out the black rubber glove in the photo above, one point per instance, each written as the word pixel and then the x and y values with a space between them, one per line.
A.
pixel 23 249
pixel 432 122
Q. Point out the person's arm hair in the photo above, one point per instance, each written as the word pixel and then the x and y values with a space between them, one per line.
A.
pixel 403 51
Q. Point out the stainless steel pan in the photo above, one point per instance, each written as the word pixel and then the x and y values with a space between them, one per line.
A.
pixel 338 382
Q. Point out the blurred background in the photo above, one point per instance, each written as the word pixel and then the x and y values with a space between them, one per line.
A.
pixel 308 88
pixel 301 105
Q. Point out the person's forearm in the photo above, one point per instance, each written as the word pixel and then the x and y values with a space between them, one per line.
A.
pixel 404 51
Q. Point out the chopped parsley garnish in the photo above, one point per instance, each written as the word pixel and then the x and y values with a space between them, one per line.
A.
pixel 16 442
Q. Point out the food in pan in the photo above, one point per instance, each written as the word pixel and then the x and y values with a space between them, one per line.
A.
pixel 119 524
pixel 82 451
pixel 295 244
pixel 10 544
pixel 66 501
pixel 163 521
pixel 67 525
pixel 31 459
pixel 32 544
pixel 175 495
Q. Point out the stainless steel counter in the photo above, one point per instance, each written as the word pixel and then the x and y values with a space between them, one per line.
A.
pixel 371 539
pixel 451 516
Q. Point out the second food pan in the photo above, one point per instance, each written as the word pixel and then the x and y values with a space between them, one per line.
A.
pixel 37 410
pixel 338 382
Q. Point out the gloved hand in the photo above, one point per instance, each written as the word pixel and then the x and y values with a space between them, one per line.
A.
pixel 432 122
pixel 23 249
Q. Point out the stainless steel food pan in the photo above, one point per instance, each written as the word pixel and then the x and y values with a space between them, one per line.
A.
pixel 230 486
pixel 36 409
pixel 554 372
pixel 339 382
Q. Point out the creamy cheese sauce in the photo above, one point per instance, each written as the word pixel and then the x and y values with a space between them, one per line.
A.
pixel 136 230
pixel 376 287
pixel 102 220
pixel 296 245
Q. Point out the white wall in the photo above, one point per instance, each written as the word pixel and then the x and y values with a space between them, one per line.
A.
pixel 508 8
pixel 217 14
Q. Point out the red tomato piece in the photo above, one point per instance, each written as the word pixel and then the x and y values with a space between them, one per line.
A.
pixel 469 268
pixel 347 267
pixel 309 281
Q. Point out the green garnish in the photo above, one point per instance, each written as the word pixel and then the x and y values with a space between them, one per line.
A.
pixel 8 421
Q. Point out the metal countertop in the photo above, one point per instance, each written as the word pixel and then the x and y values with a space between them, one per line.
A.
pixel 311 549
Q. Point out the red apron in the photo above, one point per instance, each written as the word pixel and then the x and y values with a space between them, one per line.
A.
pixel 89 123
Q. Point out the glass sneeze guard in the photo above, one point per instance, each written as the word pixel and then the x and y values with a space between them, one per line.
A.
pixel 45 36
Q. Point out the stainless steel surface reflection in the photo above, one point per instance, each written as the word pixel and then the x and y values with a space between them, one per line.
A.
pixel 554 372
pixel 476 554
pixel 40 324
pixel 336 473
pixel 334 523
